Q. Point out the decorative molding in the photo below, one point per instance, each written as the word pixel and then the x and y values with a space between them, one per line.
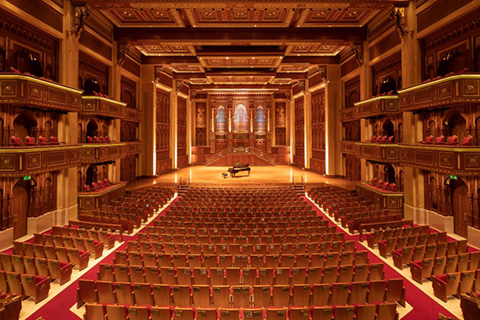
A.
pixel 123 49
pixel 399 15
pixel 81 15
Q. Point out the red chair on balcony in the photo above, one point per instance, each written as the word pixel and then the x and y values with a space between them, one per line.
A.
pixel 96 139
pixel 440 140
pixel 379 184
pixel 89 139
pixel 374 182
pixel 86 188
pixel 385 185
pixel 379 139
pixel 467 141
pixel 106 182
pixel 42 140
pixel 15 141
pixel 100 184
pixel 392 186
pixel 390 139
pixel 94 186
pixel 373 139
pixel 453 140
pixel 428 140
pixel 384 139
pixel 102 140
pixel 54 140
pixel 107 139
pixel 29 141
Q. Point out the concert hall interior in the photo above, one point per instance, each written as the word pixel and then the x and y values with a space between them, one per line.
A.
pixel 227 159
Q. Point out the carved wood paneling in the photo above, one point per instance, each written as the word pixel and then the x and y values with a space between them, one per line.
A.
pixel 201 123
pixel 299 156
pixel 162 134
pixel 317 161
pixel 182 159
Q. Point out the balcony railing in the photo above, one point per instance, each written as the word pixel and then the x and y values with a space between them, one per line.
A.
pixel 22 161
pixel 381 152
pixel 103 152
pixel 455 90
pixel 23 90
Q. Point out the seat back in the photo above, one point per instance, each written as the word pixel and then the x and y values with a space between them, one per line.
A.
pixel 143 294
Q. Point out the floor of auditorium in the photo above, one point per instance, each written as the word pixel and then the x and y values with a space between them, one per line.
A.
pixel 61 303
pixel 259 176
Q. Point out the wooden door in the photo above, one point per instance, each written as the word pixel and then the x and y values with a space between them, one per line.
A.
pixel 460 207
pixel 20 208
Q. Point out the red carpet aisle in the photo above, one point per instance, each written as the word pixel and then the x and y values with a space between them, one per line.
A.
pixel 423 306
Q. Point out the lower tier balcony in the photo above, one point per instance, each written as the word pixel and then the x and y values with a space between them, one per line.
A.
pixel 388 200
pixel 93 200
pixel 23 161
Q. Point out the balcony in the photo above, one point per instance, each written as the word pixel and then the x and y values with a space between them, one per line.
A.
pixel 22 90
pixel 455 90
pixel 348 147
pixel 378 106
pixel 389 200
pixel 92 201
pixel 133 115
pixel 104 107
pixel 132 148
pixel 456 160
pixel 380 152
pixel 102 152
pixel 22 161
pixel 349 114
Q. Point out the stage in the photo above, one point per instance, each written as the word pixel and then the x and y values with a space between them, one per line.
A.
pixel 259 176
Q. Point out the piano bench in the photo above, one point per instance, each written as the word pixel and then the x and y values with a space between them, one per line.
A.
pixel 224 175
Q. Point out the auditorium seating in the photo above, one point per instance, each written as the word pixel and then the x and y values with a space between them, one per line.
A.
pixel 230 252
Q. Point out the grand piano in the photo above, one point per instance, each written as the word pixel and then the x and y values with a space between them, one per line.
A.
pixel 238 167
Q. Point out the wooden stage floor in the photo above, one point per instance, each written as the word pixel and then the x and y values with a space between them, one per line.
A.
pixel 259 176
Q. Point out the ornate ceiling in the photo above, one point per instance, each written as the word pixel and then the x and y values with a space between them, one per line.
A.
pixel 185 35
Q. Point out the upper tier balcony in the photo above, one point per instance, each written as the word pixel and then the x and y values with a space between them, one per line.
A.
pixel 451 91
pixel 110 108
pixel 29 160
pixel 104 152
pixel 374 107
pixel 29 91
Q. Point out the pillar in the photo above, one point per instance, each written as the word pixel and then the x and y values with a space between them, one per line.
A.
pixel 333 128
pixel 147 127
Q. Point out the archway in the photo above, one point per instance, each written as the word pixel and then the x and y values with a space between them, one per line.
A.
pixel 24 125
pixel 388 128
pixel 389 174
pixel 456 126
pixel 92 129
pixel 20 205
pixel 459 206
pixel 91 175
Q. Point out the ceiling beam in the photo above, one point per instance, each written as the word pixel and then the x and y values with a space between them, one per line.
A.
pixel 168 59
pixel 281 75
pixel 312 59
pixel 243 35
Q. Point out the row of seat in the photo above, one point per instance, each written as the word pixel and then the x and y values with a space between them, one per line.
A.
pixel 240 239
pixel 391 245
pixel 75 256
pixel 10 306
pixel 459 262
pixel 25 285
pixel 277 248
pixel 432 237
pixel 426 268
pixel 98 235
pixel 322 228
pixel 244 296
pixel 107 222
pixel 380 311
pixel 233 276
pixel 54 269
pixel 150 259
pixel 94 247
pixel 456 283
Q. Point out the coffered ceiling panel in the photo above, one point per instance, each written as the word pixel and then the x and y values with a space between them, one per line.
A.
pixel 240 79
pixel 347 17
pixel 157 48
pixel 133 17
pixel 186 67
pixel 294 67
pixel 314 49
pixel 241 62
pixel 239 17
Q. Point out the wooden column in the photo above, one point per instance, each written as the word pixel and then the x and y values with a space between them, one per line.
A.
pixel 147 128
pixel 333 128
pixel 411 75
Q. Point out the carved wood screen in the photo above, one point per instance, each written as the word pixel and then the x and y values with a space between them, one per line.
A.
pixel 163 160
pixel 200 123
pixel 280 124
pixel 90 68
pixel 128 92
pixel 299 157
pixel 182 159
pixel 317 162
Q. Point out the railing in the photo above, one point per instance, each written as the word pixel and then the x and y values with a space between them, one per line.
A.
pixel 247 150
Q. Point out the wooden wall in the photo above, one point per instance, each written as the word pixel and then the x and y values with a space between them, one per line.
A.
pixel 317 162
pixel 162 135
pixel 299 156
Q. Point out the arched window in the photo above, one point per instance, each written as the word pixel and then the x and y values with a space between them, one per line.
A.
pixel 221 120
pixel 260 121
pixel 240 119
